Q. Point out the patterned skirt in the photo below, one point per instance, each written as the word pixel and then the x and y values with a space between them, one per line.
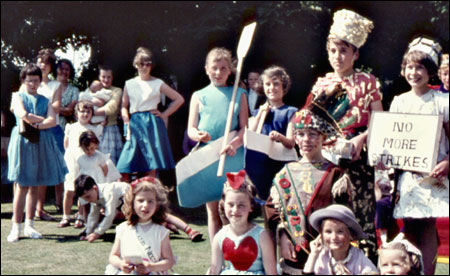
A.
pixel 111 142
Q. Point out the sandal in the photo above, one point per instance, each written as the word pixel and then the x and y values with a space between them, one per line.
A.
pixel 42 215
pixel 79 223
pixel 64 223
pixel 195 236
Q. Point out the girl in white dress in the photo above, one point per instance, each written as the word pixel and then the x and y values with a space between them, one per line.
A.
pixel 423 197
pixel 142 244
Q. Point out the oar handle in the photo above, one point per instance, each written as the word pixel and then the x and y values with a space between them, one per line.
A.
pixel 229 118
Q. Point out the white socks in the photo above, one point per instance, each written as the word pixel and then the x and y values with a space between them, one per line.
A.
pixel 29 230
pixel 15 232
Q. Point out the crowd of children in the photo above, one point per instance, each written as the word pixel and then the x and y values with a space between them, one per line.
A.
pixel 319 211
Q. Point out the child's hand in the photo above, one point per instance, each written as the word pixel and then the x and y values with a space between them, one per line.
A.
pixel 316 245
pixel 358 143
pixel 441 170
pixel 229 150
pixel 126 267
pixel 203 136
pixel 275 136
pixel 264 107
pixel 287 248
pixel 158 113
pixel 144 268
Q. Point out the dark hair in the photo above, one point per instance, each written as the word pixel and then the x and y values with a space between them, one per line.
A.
pixel 82 105
pixel 251 190
pixel 68 62
pixel 83 183
pixel 104 67
pixel 88 137
pixel 161 193
pixel 272 72
pixel 47 56
pixel 30 69
pixel 422 58
pixel 338 41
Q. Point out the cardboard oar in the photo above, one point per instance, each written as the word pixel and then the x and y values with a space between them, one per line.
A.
pixel 243 46
pixel 262 118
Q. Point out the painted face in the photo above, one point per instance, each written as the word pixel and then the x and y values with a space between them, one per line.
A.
pixel 84 115
pixel 273 88
pixel 91 195
pixel 106 78
pixel 218 72
pixel 335 235
pixel 416 74
pixel 32 83
pixel 309 142
pixel 144 205
pixel 90 150
pixel 443 75
pixel 237 207
pixel 392 262
pixel 253 80
pixel 341 58
pixel 63 72
pixel 45 67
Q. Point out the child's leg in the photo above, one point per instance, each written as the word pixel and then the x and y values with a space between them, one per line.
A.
pixel 423 234
pixel 40 212
pixel 183 226
pixel 67 208
pixel 214 222
pixel 20 194
pixel 32 198
pixel 59 194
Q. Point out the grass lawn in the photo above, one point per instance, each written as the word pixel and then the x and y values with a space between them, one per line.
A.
pixel 60 252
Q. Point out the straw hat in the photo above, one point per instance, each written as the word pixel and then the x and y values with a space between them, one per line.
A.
pixel 341 213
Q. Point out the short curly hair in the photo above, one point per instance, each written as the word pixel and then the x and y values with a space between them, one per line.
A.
pixel 272 72
pixel 161 193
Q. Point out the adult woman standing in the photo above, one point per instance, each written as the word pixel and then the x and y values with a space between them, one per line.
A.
pixel 111 140
pixel 69 93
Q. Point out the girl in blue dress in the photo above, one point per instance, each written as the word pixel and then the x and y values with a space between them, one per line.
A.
pixel 247 247
pixel 208 116
pixel 147 147
pixel 32 164
pixel 262 169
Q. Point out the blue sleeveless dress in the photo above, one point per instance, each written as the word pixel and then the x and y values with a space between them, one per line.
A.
pixel 35 164
pixel 205 186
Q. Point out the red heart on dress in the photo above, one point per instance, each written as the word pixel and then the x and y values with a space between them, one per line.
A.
pixel 236 179
pixel 243 257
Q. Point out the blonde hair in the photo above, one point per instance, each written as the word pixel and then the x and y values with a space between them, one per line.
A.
pixel 143 185
pixel 444 63
pixel 410 260
pixel 217 54
pixel 142 54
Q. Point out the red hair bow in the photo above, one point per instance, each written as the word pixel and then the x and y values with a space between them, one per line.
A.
pixel 235 180
pixel 150 179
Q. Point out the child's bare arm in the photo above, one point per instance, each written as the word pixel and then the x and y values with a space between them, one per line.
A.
pixel 193 131
pixel 125 105
pixel 116 261
pixel 268 253
pixel 104 169
pixel 216 258
pixel 166 263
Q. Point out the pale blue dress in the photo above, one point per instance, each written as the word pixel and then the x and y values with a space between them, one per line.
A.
pixel 205 186
pixel 246 252
pixel 35 164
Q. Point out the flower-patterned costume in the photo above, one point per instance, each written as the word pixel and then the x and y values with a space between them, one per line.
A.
pixel 352 112
pixel 298 190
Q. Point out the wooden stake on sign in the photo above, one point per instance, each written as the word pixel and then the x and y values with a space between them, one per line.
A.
pixel 262 118
pixel 243 46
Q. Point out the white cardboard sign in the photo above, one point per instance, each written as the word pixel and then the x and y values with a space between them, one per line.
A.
pixel 404 141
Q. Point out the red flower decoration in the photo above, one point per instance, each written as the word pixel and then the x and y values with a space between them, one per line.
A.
pixel 294 220
pixel 235 180
pixel 242 256
pixel 284 183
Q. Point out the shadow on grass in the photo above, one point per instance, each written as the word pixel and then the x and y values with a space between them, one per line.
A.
pixel 7 215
